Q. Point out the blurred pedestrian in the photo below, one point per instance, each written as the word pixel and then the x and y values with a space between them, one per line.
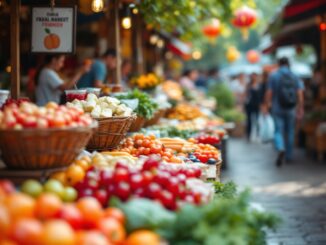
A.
pixel 238 87
pixel 49 85
pixel 126 69
pixel 188 79
pixel 252 104
pixel 285 95
pixel 316 82
pixel 99 71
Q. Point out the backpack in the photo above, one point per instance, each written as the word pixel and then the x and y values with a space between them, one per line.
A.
pixel 287 91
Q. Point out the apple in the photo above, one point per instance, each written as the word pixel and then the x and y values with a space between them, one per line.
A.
pixel 42 123
pixel 54 186
pixel 32 188
pixel 30 122
pixel 70 194
pixel 7 186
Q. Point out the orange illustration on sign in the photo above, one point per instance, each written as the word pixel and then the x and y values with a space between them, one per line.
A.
pixel 51 41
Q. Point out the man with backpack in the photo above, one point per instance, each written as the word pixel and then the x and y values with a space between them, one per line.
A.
pixel 285 96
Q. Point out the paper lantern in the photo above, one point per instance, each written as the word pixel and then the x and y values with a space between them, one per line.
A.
pixel 232 54
pixel 212 30
pixel 244 18
pixel 253 56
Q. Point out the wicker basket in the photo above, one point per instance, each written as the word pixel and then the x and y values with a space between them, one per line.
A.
pixel 110 132
pixel 154 120
pixel 42 148
pixel 137 124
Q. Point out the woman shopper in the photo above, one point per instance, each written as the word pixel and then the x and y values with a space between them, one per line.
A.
pixel 252 104
pixel 50 85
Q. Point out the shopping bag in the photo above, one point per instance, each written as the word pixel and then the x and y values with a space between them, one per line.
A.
pixel 266 127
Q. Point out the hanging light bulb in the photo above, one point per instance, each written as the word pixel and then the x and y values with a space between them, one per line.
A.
pixel 196 55
pixel 126 22
pixel 160 43
pixel 97 5
pixel 153 39
pixel 135 11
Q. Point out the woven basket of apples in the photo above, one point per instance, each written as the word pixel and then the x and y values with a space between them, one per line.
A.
pixel 33 137
pixel 113 117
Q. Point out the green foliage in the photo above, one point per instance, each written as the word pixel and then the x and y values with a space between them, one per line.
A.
pixel 231 115
pixel 223 221
pixel 223 95
pixel 146 106
pixel 170 131
pixel 227 190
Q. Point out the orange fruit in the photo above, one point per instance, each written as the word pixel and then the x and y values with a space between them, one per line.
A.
pixel 91 238
pixel 7 242
pixel 116 214
pixel 20 205
pixel 60 176
pixel 48 205
pixel 91 210
pixel 112 229
pixel 58 232
pixel 143 237
pixel 51 41
pixel 26 231
pixel 4 221
pixel 84 164
pixel 74 174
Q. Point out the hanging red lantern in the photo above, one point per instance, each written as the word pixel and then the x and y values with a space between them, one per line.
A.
pixel 244 18
pixel 253 56
pixel 213 29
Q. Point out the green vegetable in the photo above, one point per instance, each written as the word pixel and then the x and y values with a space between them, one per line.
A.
pixel 146 214
pixel 146 107
pixel 231 115
pixel 225 221
pixel 170 131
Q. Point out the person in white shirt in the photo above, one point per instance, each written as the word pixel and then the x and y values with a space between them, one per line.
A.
pixel 49 84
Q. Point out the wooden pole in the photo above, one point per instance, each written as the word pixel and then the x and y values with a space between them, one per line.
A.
pixel 139 45
pixel 117 41
pixel 14 49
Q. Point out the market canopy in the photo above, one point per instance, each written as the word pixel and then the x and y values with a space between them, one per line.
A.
pixel 296 23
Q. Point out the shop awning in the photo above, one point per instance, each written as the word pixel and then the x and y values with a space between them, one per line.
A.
pixel 297 23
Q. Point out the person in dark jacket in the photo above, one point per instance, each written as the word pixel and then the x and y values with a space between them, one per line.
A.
pixel 252 104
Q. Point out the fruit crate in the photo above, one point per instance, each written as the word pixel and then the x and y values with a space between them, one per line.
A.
pixel 39 149
pixel 110 133
pixel 137 124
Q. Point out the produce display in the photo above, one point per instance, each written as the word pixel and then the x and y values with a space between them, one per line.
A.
pixel 140 144
pixel 47 220
pixel 154 180
pixel 185 111
pixel 102 107
pixel 147 81
pixel 157 186
pixel 29 115
pixel 146 105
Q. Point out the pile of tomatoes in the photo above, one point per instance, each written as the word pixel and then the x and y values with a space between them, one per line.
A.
pixel 140 144
pixel 208 139
pixel 29 115
pixel 47 220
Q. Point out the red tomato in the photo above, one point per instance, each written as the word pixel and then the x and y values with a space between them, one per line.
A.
pixel 72 215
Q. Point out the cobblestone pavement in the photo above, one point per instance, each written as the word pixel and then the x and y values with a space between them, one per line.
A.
pixel 296 191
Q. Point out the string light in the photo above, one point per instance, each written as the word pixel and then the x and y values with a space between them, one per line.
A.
pixel 97 5
pixel 126 22
pixel 135 11
pixel 160 43
pixel 153 39
pixel 196 55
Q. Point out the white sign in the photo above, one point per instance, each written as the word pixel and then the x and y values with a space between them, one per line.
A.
pixel 53 30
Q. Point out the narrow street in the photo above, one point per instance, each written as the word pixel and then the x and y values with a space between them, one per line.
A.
pixel 296 191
